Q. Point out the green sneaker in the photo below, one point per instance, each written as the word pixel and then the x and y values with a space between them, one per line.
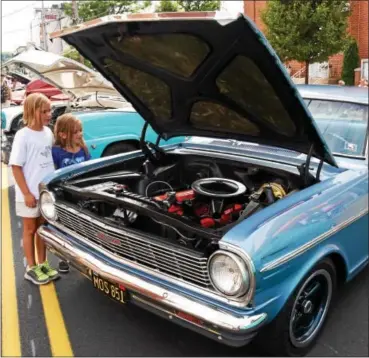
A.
pixel 36 275
pixel 49 271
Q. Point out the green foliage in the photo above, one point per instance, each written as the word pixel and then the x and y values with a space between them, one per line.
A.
pixel 73 54
pixel 167 6
pixel 306 31
pixel 193 5
pixel 88 10
pixel 351 61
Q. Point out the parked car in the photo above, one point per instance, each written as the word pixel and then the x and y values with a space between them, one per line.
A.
pixel 120 133
pixel 40 86
pixel 244 231
pixel 25 86
pixel 91 94
pixel 62 80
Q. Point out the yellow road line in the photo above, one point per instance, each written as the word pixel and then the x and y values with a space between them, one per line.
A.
pixel 10 320
pixel 58 335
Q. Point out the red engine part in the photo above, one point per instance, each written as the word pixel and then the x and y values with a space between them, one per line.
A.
pixel 180 196
pixel 227 214
pixel 201 210
pixel 224 219
pixel 207 222
pixel 175 209
pixel 185 195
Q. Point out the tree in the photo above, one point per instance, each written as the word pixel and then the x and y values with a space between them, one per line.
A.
pixel 88 10
pixel 73 54
pixel 167 6
pixel 351 61
pixel 193 5
pixel 306 31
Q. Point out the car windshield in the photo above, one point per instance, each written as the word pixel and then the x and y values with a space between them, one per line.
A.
pixel 343 125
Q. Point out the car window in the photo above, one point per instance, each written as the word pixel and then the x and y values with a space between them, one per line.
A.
pixel 344 125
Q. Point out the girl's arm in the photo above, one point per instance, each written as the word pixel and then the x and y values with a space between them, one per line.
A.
pixel 29 199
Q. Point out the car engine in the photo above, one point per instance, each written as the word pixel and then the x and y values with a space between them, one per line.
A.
pixel 184 201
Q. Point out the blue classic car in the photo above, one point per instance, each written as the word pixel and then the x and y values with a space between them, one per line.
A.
pixel 244 231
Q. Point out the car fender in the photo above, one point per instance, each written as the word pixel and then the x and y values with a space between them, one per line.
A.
pixel 282 282
pixel 10 114
pixel 288 238
pixel 98 146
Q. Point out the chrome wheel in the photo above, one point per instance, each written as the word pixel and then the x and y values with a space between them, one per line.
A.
pixel 310 308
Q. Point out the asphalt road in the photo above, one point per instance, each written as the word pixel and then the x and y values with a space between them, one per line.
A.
pixel 71 316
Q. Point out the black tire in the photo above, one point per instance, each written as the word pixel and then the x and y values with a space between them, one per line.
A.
pixel 17 123
pixel 279 338
pixel 119 148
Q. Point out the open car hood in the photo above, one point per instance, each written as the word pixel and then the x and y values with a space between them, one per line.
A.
pixel 200 74
pixel 71 77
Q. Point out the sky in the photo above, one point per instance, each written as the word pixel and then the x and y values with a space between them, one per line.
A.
pixel 17 17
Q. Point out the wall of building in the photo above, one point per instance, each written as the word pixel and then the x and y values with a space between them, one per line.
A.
pixel 53 23
pixel 358 28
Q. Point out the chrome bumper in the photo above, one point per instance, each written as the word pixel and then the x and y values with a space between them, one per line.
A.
pixel 205 318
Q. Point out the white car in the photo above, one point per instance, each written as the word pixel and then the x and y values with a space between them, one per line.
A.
pixel 87 89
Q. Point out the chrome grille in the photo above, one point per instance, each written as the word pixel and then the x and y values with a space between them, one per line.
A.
pixel 185 265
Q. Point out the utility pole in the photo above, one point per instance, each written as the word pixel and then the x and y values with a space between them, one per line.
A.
pixel 75 22
pixel 75 12
pixel 44 31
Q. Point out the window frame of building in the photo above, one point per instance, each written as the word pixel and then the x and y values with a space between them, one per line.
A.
pixel 364 63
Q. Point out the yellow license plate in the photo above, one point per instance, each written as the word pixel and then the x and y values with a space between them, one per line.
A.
pixel 110 289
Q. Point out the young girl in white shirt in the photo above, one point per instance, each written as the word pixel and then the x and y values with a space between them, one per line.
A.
pixel 31 161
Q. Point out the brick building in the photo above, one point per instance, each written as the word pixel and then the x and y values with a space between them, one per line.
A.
pixel 330 71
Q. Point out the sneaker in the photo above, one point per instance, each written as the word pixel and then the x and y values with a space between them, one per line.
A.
pixel 36 275
pixel 63 267
pixel 49 271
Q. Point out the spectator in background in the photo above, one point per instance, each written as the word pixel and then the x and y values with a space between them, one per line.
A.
pixel 363 83
pixel 6 92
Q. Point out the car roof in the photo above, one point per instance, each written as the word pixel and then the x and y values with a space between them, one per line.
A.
pixel 335 93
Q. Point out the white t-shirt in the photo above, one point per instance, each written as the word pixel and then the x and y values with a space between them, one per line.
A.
pixel 31 150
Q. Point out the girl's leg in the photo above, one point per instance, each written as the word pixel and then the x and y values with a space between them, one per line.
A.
pixel 41 254
pixel 33 272
pixel 29 230
pixel 40 245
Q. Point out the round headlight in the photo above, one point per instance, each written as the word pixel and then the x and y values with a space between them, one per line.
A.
pixel 47 205
pixel 228 274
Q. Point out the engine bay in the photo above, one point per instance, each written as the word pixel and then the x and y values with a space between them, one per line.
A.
pixel 187 199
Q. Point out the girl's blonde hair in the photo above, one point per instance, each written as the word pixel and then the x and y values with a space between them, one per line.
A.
pixel 68 124
pixel 33 102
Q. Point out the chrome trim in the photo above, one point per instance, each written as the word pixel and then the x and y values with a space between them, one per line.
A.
pixel 196 186
pixel 241 266
pixel 241 302
pixel 133 247
pixel 212 314
pixel 250 268
pixel 54 202
pixel 273 264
